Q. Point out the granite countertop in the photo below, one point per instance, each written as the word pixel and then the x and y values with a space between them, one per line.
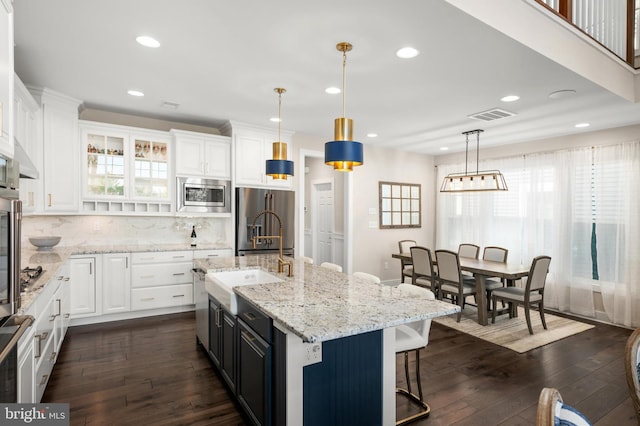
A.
pixel 52 259
pixel 318 304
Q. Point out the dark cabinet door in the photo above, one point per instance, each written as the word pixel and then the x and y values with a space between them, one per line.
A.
pixel 215 333
pixel 228 361
pixel 254 375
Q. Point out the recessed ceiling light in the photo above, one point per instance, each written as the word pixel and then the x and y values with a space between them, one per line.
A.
pixel 135 93
pixel 510 98
pixel 148 41
pixel 580 125
pixel 275 119
pixel 372 135
pixel 559 94
pixel 332 90
pixel 407 53
pixel 444 148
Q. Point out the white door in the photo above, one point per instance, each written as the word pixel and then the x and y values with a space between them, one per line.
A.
pixel 323 224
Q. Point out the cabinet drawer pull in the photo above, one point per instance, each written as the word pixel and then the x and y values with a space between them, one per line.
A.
pixel 146 299
pixel 50 200
pixel 67 278
pixel 213 255
pixel 53 356
pixel 178 274
pixel 178 257
pixel 59 307
pixel 44 380
pixel 52 318
pixel 147 258
pixel 67 315
pixel 248 337
pixel 59 277
pixel 178 295
pixel 248 315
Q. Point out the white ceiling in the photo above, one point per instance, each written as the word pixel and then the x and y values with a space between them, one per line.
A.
pixel 221 60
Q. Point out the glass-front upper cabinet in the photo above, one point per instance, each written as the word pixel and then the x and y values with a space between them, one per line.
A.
pixel 105 164
pixel 151 169
pixel 125 164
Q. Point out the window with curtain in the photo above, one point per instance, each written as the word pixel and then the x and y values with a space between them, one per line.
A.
pixel 575 206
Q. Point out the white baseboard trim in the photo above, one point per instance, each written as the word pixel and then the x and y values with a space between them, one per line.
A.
pixel 129 315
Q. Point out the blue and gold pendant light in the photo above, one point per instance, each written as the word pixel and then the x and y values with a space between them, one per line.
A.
pixel 279 167
pixel 343 153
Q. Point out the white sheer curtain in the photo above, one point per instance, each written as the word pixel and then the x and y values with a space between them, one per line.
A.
pixel 553 202
pixel 618 236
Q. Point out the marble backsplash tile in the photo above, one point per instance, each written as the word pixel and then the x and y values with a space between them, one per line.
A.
pixel 106 230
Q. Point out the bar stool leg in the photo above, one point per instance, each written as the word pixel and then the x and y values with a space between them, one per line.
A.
pixel 425 410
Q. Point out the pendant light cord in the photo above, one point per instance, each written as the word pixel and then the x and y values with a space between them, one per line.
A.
pixel 344 83
pixel 279 113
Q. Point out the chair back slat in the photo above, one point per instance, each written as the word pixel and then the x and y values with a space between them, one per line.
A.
pixel 405 245
pixel 538 273
pixel 448 266
pixel 422 261
pixel 495 254
pixel 468 250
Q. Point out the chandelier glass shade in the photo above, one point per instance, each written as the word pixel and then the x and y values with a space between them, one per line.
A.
pixel 481 180
pixel 343 153
pixel 279 167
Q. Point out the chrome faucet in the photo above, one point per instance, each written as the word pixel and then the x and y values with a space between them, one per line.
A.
pixel 254 240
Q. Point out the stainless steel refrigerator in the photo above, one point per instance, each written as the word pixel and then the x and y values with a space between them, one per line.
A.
pixel 250 202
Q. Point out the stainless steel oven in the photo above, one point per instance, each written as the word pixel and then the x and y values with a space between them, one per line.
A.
pixel 12 326
pixel 196 195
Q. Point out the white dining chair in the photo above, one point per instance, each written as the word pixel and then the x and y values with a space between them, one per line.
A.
pixel 414 337
pixel 306 259
pixel 369 277
pixel 332 266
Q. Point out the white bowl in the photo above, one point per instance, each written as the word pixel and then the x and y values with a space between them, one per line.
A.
pixel 44 243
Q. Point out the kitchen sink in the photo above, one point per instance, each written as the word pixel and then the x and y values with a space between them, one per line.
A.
pixel 220 284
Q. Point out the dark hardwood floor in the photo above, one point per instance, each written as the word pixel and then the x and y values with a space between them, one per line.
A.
pixel 149 372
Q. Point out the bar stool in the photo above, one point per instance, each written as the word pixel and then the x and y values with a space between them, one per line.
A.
pixel 413 337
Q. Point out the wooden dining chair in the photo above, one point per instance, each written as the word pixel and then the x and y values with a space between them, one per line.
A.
pixel 532 294
pixel 468 250
pixel 406 267
pixel 494 254
pixel 423 271
pixel 450 279
pixel 632 367
pixel 413 337
pixel 553 411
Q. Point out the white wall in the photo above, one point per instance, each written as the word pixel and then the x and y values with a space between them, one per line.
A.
pixel 373 246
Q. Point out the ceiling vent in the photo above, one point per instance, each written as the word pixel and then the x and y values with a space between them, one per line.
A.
pixel 170 105
pixel 491 115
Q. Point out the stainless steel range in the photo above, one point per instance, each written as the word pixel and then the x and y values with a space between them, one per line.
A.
pixel 28 276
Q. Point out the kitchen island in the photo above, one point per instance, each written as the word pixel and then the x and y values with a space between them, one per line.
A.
pixel 338 334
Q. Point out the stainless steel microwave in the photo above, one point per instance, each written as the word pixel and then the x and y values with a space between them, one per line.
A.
pixel 196 195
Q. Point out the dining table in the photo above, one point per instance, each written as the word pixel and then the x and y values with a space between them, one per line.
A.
pixel 483 269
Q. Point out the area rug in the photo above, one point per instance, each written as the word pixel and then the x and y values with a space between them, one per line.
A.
pixel 513 333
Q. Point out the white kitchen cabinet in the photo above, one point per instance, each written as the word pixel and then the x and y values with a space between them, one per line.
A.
pixel 116 283
pixel 6 78
pixel 26 363
pixel 28 134
pixel 62 304
pixel 61 165
pixel 161 279
pixel 85 286
pixel 45 353
pixel 125 170
pixel 202 155
pixel 252 147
